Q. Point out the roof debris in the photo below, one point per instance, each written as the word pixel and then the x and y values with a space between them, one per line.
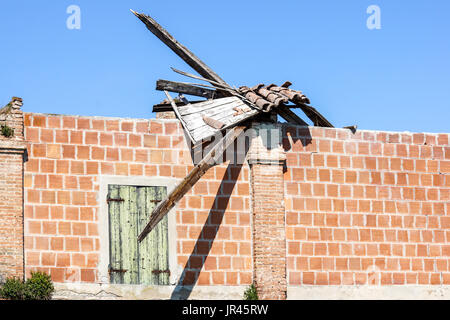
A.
pixel 225 107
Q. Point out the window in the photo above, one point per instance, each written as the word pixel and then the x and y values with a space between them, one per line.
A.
pixel 131 262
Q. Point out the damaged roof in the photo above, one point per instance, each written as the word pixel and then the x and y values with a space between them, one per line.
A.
pixel 272 96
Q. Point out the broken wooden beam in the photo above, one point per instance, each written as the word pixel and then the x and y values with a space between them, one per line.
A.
pixel 352 128
pixel 177 113
pixel 315 116
pixel 186 184
pixel 191 59
pixel 225 90
pixel 179 87
pixel 288 115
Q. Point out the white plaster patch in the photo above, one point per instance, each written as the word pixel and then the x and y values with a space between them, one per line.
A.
pixel 400 292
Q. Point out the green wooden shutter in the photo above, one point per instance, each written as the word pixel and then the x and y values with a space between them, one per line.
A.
pixel 132 262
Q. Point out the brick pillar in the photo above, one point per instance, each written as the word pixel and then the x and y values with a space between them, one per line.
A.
pixel 267 159
pixel 12 152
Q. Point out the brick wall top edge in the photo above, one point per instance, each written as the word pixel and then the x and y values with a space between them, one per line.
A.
pixel 288 125
pixel 98 117
pixel 284 125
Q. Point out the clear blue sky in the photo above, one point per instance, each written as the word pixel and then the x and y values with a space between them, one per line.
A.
pixel 396 78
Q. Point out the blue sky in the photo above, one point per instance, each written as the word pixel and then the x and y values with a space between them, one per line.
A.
pixel 396 78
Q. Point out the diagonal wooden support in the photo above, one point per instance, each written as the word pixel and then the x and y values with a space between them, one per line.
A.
pixel 288 115
pixel 186 184
pixel 179 87
pixel 315 116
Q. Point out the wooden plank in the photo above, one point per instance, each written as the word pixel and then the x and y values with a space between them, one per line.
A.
pixel 148 248
pixel 214 84
pixel 226 89
pixel 186 184
pixel 219 109
pixel 206 105
pixel 226 116
pixel 128 216
pixel 172 86
pixel 162 241
pixel 206 131
pixel 165 107
pixel 191 116
pixel 115 248
pixel 152 239
pixel 177 113
pixel 144 207
pixel 218 113
pixel 184 53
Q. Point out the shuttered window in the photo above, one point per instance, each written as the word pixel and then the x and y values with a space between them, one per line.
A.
pixel 131 262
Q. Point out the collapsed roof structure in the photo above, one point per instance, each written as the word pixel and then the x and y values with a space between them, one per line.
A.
pixel 225 107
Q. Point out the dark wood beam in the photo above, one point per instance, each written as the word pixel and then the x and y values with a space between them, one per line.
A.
pixel 315 116
pixel 172 86
pixel 165 107
pixel 288 115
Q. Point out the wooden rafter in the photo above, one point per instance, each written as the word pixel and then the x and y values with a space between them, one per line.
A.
pixel 315 116
pixel 288 115
pixel 167 106
pixel 179 87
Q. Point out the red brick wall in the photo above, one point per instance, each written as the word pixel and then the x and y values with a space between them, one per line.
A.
pixel 359 207
pixel 213 228
pixel 370 207
pixel 11 197
pixel 67 156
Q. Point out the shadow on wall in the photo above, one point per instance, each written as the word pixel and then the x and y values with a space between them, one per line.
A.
pixel 207 235
pixel 292 134
pixel 205 240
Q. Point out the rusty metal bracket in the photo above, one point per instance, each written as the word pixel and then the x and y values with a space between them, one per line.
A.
pixel 111 270
pixel 114 200
pixel 161 271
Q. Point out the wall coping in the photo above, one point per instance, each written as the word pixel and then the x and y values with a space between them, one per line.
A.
pixel 99 117
pixel 283 124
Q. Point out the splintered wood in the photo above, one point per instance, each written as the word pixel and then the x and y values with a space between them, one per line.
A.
pixel 203 120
